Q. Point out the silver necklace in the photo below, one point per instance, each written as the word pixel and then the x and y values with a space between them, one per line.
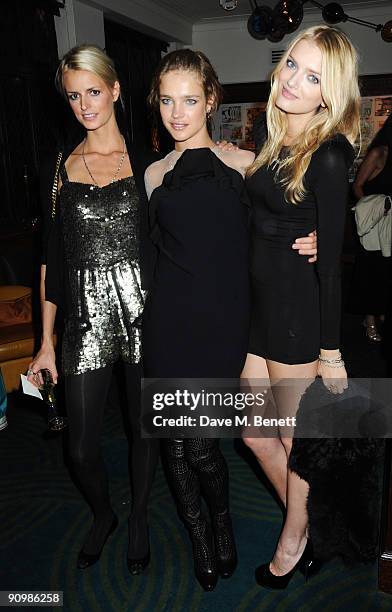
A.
pixel 117 171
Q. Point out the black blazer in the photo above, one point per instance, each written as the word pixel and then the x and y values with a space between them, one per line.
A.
pixel 52 243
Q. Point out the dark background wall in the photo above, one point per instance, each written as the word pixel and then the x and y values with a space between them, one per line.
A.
pixel 28 51
pixel 136 56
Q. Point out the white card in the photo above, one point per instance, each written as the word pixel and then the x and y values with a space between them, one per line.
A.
pixel 29 388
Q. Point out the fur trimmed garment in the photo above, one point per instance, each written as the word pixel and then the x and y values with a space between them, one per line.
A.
pixel 344 474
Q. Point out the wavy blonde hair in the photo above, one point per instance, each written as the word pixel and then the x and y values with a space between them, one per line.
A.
pixel 341 96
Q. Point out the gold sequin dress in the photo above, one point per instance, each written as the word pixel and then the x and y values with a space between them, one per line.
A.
pixel 100 235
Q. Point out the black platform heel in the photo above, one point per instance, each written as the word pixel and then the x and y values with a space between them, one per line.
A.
pixel 186 485
pixel 86 560
pixel 204 559
pixel 306 564
pixel 137 565
pixel 226 552
pixel 309 565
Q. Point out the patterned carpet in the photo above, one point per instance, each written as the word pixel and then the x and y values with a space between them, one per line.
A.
pixel 44 521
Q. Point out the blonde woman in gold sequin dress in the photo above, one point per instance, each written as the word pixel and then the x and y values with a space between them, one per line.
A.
pixel 95 272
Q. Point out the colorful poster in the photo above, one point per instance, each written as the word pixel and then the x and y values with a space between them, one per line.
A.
pixel 231 113
pixel 231 132
pixel 234 123
pixel 383 106
pixel 374 113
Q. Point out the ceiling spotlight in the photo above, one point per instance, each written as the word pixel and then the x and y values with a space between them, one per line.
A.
pixel 386 32
pixel 276 34
pixel 288 15
pixel 260 22
pixel 333 13
pixel 228 5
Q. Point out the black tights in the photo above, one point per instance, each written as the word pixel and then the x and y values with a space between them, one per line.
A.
pixel 197 466
pixel 86 396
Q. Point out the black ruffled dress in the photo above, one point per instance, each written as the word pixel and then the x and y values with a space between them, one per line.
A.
pixel 196 319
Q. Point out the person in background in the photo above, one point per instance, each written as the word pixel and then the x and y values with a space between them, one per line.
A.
pixel 372 269
pixel 3 404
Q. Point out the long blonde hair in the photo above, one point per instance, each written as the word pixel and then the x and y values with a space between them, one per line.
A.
pixel 340 94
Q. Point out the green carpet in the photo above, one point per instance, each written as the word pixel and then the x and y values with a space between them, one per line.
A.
pixel 44 521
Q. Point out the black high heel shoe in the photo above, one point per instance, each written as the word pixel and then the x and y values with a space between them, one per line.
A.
pixel 137 565
pixel 309 566
pixel 86 560
pixel 306 564
pixel 205 565
pixel 226 553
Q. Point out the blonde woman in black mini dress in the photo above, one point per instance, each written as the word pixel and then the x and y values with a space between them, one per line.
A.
pixel 298 183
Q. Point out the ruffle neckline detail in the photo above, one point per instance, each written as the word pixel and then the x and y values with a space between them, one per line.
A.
pixel 194 165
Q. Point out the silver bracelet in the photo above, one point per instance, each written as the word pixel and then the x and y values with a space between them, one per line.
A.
pixel 331 359
pixel 335 362
pixel 339 364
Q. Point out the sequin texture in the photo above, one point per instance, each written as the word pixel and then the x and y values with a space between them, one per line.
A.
pixel 101 237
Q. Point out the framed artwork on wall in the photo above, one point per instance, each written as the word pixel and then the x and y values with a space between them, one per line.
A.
pixel 234 123
pixel 375 110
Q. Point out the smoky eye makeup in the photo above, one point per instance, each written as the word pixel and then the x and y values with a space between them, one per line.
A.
pixel 73 95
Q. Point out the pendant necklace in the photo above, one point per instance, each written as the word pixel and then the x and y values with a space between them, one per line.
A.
pixel 117 171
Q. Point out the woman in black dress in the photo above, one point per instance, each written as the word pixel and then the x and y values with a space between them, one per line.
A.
pixel 196 320
pixel 94 270
pixel 299 182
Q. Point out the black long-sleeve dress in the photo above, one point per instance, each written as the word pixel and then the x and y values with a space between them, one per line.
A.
pixel 295 305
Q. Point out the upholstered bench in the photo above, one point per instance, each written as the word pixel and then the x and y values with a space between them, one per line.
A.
pixel 16 333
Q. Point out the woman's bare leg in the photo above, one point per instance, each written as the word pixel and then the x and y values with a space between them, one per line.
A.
pixel 292 541
pixel 269 452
